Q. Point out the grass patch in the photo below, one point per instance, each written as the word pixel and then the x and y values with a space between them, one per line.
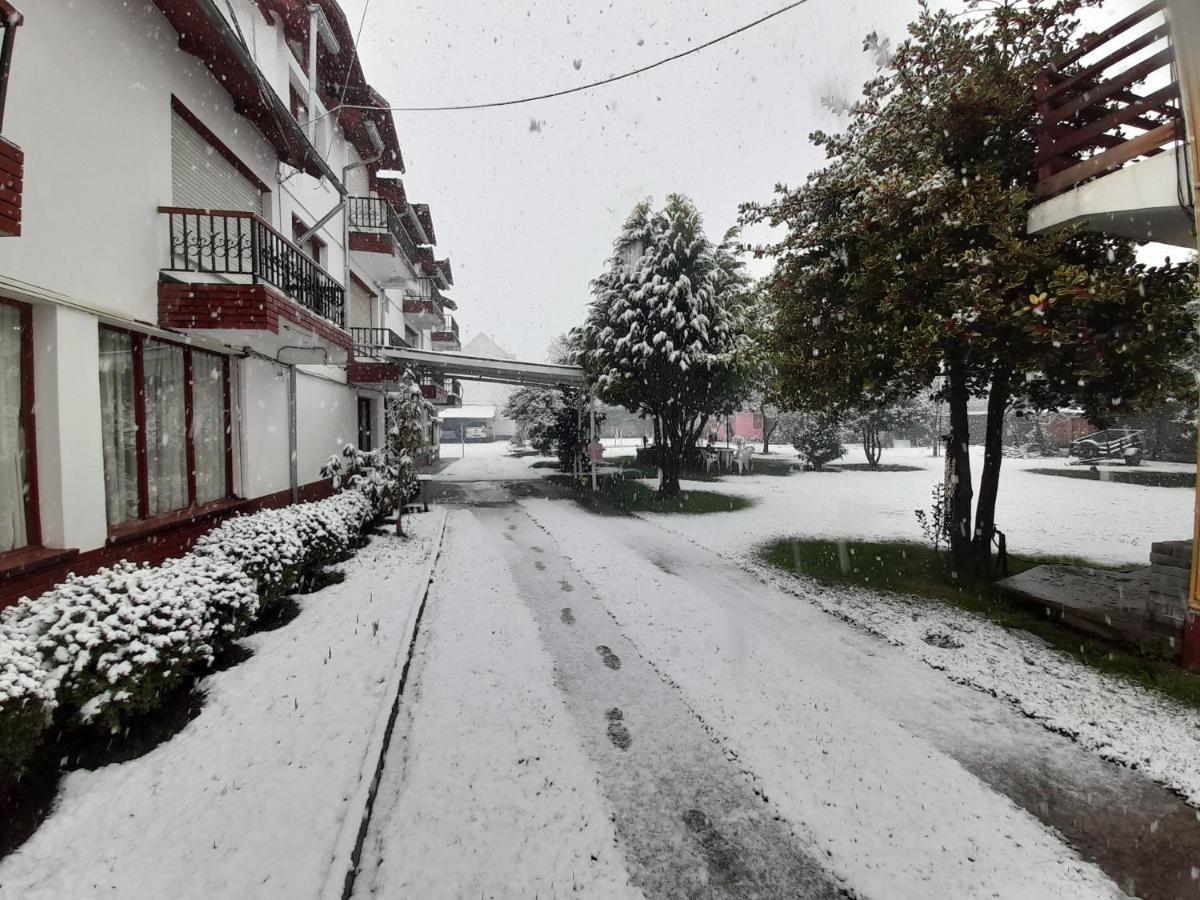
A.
pixel 627 495
pixel 916 570
pixel 865 467
pixel 1126 475
pixel 545 464
pixel 648 470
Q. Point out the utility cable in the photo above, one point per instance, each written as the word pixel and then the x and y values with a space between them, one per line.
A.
pixel 594 84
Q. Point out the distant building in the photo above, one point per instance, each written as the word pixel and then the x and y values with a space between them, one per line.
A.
pixel 468 424
pixel 481 393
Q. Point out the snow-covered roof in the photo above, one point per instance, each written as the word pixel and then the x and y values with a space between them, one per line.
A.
pixel 468 412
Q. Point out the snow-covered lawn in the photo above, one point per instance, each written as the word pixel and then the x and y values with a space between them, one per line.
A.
pixel 1102 521
pixel 261 795
pixel 487 791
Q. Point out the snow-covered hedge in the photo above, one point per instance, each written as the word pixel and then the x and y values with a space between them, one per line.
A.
pixel 114 642
pixel 26 699
pixel 264 545
pixel 108 646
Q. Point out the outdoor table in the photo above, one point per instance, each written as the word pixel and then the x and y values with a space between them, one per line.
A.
pixel 725 456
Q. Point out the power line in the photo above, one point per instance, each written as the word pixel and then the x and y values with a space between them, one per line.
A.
pixel 595 84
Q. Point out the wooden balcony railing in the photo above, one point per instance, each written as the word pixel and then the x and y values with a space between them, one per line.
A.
pixel 243 244
pixel 378 216
pixel 1112 100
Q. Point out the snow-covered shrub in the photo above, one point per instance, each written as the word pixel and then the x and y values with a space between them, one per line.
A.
pixel 323 531
pixel 815 437
pixel 116 641
pixel 264 545
pixel 354 508
pixel 26 700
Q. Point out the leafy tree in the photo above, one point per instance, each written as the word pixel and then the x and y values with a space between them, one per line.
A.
pixel 867 419
pixel 550 419
pixel 815 435
pixel 665 332
pixel 907 258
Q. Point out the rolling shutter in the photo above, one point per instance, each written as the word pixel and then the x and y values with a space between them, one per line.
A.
pixel 201 178
pixel 359 314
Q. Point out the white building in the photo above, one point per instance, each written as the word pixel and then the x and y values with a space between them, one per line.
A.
pixel 199 257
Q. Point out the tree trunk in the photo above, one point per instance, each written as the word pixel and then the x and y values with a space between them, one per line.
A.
pixel 767 432
pixel 959 492
pixel 657 433
pixel 871 445
pixel 989 482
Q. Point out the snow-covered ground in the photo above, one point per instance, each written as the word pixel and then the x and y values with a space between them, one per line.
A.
pixel 1106 522
pixel 260 796
pixel 486 791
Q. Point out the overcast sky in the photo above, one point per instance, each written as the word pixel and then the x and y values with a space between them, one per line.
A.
pixel 528 199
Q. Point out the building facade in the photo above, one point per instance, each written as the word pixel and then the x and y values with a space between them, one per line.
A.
pixel 205 239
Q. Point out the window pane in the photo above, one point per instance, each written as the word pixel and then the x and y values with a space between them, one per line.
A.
pixel 208 422
pixel 118 419
pixel 13 488
pixel 166 427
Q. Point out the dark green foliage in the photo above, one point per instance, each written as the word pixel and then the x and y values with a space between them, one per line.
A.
pixel 907 257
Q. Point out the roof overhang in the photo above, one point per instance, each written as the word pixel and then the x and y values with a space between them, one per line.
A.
pixel 484 368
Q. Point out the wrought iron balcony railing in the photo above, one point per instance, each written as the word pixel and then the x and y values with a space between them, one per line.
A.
pixel 377 337
pixel 243 244
pixel 378 216
pixel 1093 119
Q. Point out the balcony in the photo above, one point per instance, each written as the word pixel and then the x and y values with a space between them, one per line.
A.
pixel 1112 135
pixel 369 341
pixel 12 159
pixel 423 304
pixel 378 234
pixel 446 339
pixel 230 273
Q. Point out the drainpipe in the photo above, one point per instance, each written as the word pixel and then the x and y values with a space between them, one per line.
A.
pixel 313 26
pixel 1185 36
pixel 293 437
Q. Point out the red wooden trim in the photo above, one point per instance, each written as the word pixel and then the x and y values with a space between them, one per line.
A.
pixel 228 430
pixel 12 15
pixel 128 531
pixel 26 414
pixel 189 418
pixel 217 144
pixel 1139 43
pixel 1094 96
pixel 1109 161
pixel 139 412
pixel 1091 42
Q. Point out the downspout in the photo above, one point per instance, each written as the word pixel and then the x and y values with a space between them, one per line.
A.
pixel 313 26
pixel 1184 16
pixel 293 437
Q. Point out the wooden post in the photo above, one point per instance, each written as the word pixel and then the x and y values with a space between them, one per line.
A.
pixel 1184 18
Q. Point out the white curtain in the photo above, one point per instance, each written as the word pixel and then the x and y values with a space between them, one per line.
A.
pixel 208 425
pixel 13 489
pixel 166 427
pixel 118 419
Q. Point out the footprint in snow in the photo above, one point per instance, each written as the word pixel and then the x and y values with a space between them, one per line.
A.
pixel 610 659
pixel 566 586
pixel 617 732
pixel 539 565
pixel 567 616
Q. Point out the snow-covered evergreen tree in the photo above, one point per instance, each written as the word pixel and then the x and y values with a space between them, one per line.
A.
pixel 666 329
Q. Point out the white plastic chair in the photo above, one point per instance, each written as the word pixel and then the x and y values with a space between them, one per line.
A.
pixel 711 460
pixel 743 459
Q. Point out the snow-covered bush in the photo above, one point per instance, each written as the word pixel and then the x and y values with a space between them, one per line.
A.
pixel 116 641
pixel 264 545
pixel 323 531
pixel 353 507
pixel 26 700
pixel 815 437
pixel 372 473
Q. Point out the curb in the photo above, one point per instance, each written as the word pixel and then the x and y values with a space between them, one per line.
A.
pixel 347 853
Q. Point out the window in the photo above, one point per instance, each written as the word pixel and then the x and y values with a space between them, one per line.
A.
pixel 18 500
pixel 314 246
pixel 298 104
pixel 364 424
pixel 165 418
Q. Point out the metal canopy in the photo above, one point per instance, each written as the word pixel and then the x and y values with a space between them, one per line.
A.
pixel 485 368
